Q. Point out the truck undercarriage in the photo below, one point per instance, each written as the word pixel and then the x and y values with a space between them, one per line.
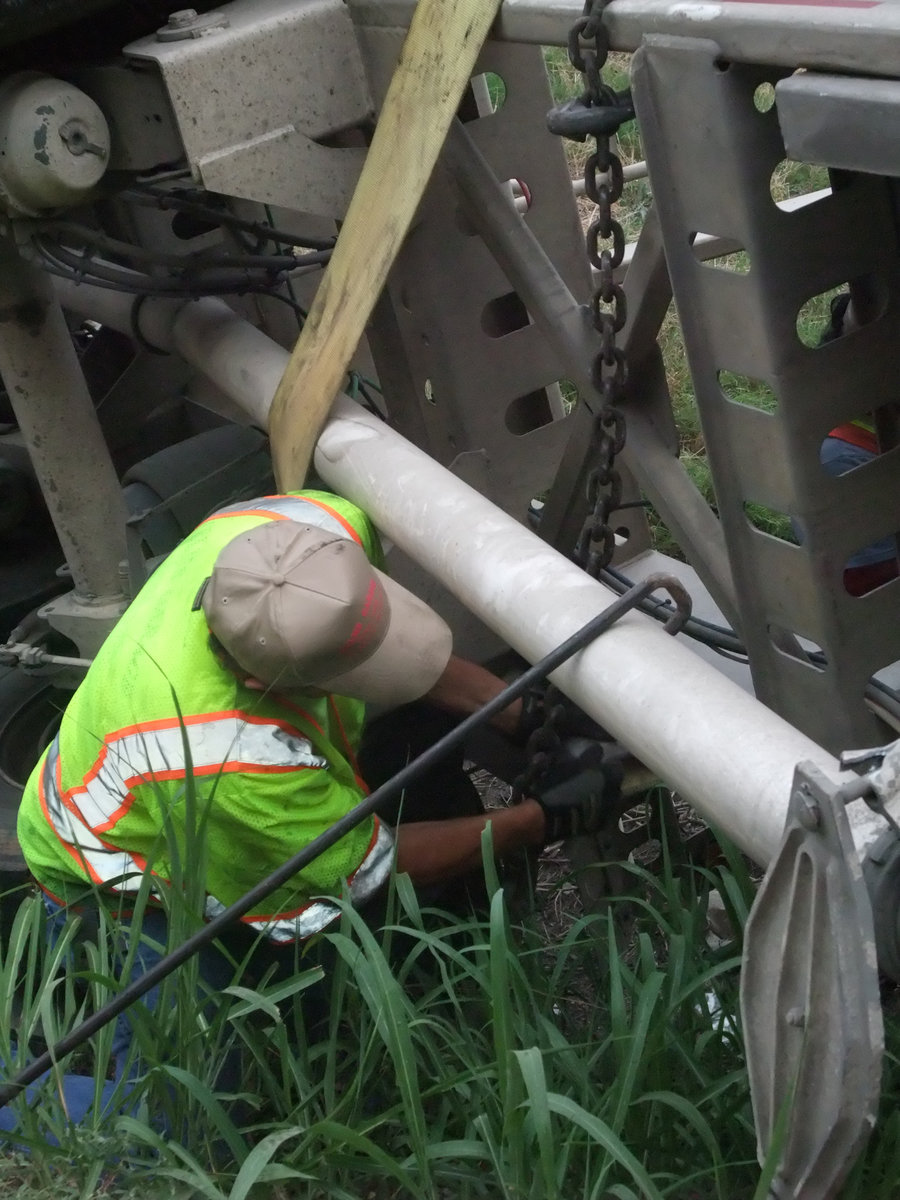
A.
pixel 171 187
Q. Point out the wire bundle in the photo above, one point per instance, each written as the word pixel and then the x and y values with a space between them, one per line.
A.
pixel 266 260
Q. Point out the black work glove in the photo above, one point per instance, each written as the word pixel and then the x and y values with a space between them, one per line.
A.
pixel 580 789
pixel 569 720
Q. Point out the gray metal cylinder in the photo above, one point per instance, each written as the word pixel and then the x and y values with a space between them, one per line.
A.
pixel 55 412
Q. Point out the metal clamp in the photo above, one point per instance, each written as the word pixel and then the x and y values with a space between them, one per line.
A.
pixel 578 120
pixel 810 998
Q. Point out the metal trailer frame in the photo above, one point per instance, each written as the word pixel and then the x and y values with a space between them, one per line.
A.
pixel 482 320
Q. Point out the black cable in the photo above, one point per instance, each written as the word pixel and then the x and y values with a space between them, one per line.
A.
pixel 221 276
pixel 290 301
pixel 139 987
pixel 724 641
pixel 718 637
pixel 138 285
pixel 163 199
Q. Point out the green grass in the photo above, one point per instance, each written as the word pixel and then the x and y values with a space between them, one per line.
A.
pixel 462 1058
pixel 461 1055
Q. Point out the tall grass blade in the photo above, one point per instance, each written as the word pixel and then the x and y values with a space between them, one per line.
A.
pixel 392 1014
pixel 254 1167
pixel 332 1132
pixel 222 1123
pixel 531 1064
pixel 601 1133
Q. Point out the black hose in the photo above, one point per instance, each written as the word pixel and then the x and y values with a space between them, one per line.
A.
pixel 23 19
pixel 139 987
pixel 725 641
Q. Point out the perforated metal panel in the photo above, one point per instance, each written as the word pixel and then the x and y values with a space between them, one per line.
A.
pixel 711 153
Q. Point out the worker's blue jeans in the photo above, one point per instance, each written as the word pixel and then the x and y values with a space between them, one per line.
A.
pixel 216 971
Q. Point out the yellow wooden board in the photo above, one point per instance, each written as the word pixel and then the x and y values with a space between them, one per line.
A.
pixel 436 63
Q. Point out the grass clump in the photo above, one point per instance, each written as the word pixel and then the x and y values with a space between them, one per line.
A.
pixel 460 1058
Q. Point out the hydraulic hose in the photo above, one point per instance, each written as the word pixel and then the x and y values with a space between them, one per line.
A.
pixel 23 19
pixel 139 987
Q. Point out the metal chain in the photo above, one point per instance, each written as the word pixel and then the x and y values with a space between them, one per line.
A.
pixel 597 113
pixel 542 746
pixel 605 243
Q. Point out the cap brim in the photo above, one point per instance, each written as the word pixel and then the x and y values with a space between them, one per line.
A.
pixel 410 659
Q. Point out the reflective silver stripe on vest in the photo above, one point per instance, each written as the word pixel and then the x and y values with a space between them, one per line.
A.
pixel 218 742
pixel 139 757
pixel 366 880
pixel 295 508
pixel 103 863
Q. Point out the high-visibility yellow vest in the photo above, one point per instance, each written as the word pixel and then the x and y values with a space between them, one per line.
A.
pixel 107 801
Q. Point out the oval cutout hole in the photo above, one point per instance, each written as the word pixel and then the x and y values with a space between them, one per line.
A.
pixel 771 522
pixel 791 182
pixel 529 412
pixel 764 97
pixel 742 389
pixel 794 645
pixel 871 567
pixel 720 253
pixel 504 315
pixel 485 95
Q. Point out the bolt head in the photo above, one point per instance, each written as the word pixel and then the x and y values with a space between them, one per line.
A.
pixel 183 17
pixel 808 812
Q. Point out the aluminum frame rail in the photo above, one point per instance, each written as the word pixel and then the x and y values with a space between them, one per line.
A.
pixel 840 35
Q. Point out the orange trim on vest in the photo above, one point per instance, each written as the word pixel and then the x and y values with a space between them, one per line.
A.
pixel 332 512
pixel 71 850
pixel 195 719
pixel 283 916
pixel 376 825
pixel 301 712
pixel 231 767
pixel 276 516
pixel 351 754
pixel 247 512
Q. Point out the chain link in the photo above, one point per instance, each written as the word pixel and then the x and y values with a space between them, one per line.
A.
pixel 542 746
pixel 597 113
pixel 605 245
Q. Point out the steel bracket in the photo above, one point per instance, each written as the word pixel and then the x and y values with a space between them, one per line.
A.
pixel 87 624
pixel 260 136
pixel 810 1000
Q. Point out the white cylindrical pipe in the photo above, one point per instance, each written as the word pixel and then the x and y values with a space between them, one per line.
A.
pixel 721 749
pixel 209 335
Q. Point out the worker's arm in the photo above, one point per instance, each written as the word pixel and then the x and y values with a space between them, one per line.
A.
pixel 435 851
pixel 464 688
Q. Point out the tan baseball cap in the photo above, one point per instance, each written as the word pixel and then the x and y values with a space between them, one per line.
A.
pixel 298 606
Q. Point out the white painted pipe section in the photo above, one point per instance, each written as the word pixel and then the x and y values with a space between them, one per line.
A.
pixel 730 756
pixel 720 748
pixel 235 355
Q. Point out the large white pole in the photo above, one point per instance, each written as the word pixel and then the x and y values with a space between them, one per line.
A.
pixel 720 748
pixel 716 745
